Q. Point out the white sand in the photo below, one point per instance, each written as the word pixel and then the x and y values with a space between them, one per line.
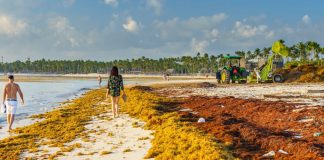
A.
pixel 298 92
pixel 114 136
pixel 17 123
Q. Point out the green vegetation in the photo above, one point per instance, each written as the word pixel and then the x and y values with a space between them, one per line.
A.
pixel 204 63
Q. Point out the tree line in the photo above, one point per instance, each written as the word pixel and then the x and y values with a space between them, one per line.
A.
pixel 300 52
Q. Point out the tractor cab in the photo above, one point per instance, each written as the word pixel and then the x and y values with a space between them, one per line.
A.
pixel 232 63
pixel 232 70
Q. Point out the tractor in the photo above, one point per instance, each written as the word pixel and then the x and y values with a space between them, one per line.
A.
pixel 232 72
pixel 265 73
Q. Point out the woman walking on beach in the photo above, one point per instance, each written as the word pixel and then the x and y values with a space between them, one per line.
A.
pixel 115 84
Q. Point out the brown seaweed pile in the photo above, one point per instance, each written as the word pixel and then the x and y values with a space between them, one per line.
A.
pixel 303 73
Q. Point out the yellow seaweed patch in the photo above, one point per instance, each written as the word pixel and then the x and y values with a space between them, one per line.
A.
pixel 173 139
pixel 110 134
pixel 59 126
pixel 127 150
pixel 143 138
pixel 105 152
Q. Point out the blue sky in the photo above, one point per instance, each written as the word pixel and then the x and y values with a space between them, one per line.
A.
pixel 119 29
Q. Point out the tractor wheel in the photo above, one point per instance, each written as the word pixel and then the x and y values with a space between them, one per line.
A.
pixel 277 78
pixel 243 81
pixel 225 76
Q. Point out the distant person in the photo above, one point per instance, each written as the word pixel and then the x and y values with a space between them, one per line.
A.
pixel 10 99
pixel 164 76
pixel 99 80
pixel 115 85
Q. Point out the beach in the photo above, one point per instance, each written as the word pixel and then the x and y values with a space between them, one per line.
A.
pixel 157 113
pixel 161 80
pixel 280 121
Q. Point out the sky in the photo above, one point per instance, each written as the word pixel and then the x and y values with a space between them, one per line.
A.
pixel 119 29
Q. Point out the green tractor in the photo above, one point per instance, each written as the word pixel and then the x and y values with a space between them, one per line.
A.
pixel 232 72
pixel 265 73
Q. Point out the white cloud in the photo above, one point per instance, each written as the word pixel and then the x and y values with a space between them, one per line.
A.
pixel 194 22
pixel 214 32
pixel 306 19
pixel 10 26
pixel 131 25
pixel 60 24
pixel 67 3
pixel 187 28
pixel 156 5
pixel 199 46
pixel 113 3
pixel 206 21
pixel 63 30
pixel 288 30
pixel 245 30
pixel 270 34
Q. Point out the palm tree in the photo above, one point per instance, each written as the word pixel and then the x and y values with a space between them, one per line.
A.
pixel 257 54
pixel 265 52
pixel 221 60
pixel 213 63
pixel 282 41
pixel 317 50
pixel 309 48
pixel 302 51
pixel 240 53
pixel 249 55
pixel 294 53
pixel 205 62
pixel 313 47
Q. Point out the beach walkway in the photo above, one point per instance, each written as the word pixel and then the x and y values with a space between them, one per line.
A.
pixel 104 138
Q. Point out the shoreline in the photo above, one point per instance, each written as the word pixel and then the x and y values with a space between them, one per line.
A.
pixel 145 106
pixel 41 135
pixel 59 77
pixel 28 121
pixel 95 75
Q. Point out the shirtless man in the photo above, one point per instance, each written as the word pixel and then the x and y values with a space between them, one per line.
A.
pixel 10 99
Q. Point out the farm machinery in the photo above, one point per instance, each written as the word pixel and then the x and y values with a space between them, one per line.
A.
pixel 265 73
pixel 232 72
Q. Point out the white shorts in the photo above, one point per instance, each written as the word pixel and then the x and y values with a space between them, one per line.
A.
pixel 11 107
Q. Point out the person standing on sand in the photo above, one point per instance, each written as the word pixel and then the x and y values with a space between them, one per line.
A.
pixel 99 80
pixel 115 84
pixel 164 76
pixel 10 99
